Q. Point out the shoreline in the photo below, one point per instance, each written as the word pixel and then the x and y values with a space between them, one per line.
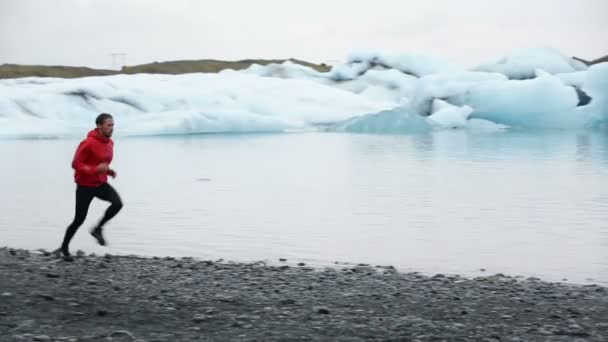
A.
pixel 177 67
pixel 135 298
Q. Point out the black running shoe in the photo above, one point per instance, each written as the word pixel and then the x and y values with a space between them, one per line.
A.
pixel 64 253
pixel 97 234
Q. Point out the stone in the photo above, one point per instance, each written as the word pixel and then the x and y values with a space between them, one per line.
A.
pixel 123 333
pixel 45 296
pixel 321 310
pixel 198 318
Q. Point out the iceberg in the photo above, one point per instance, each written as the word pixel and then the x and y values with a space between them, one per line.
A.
pixel 371 92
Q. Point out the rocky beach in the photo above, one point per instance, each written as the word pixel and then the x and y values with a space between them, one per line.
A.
pixel 132 298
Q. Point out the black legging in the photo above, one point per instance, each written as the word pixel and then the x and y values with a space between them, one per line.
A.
pixel 84 196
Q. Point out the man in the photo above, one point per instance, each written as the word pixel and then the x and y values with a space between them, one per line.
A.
pixel 91 166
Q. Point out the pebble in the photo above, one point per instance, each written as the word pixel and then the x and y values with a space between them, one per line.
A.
pixel 45 296
pixel 321 310
pixel 198 318
pixel 123 333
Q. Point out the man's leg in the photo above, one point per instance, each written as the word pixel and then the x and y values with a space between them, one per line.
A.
pixel 84 196
pixel 107 193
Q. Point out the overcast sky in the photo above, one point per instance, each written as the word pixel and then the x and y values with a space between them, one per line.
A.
pixel 87 32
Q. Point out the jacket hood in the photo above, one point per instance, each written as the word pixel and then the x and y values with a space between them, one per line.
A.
pixel 94 133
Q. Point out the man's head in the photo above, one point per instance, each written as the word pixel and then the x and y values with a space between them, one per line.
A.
pixel 105 124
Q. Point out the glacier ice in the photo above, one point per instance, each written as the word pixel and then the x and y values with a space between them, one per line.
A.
pixel 371 92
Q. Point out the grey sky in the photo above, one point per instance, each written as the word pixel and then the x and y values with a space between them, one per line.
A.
pixel 86 32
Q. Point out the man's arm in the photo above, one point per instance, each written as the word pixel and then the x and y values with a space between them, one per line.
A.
pixel 80 156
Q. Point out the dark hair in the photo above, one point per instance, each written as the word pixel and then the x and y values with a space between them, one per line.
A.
pixel 101 118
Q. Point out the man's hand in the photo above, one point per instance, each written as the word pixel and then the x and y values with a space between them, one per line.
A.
pixel 102 168
pixel 111 173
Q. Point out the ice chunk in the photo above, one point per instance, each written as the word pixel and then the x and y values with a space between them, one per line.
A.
pixel 286 69
pixel 596 86
pixel 522 64
pixel 398 120
pixel 446 115
pixel 360 62
pixel 446 86
pixel 541 102
pixel 161 104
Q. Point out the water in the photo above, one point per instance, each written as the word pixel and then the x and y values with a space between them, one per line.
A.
pixel 520 203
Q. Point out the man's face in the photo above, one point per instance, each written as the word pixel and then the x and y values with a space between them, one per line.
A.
pixel 106 128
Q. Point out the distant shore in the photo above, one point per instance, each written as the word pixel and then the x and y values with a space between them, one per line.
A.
pixel 173 68
pixel 169 67
pixel 130 298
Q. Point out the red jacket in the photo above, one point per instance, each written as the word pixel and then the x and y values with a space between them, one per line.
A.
pixel 92 151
